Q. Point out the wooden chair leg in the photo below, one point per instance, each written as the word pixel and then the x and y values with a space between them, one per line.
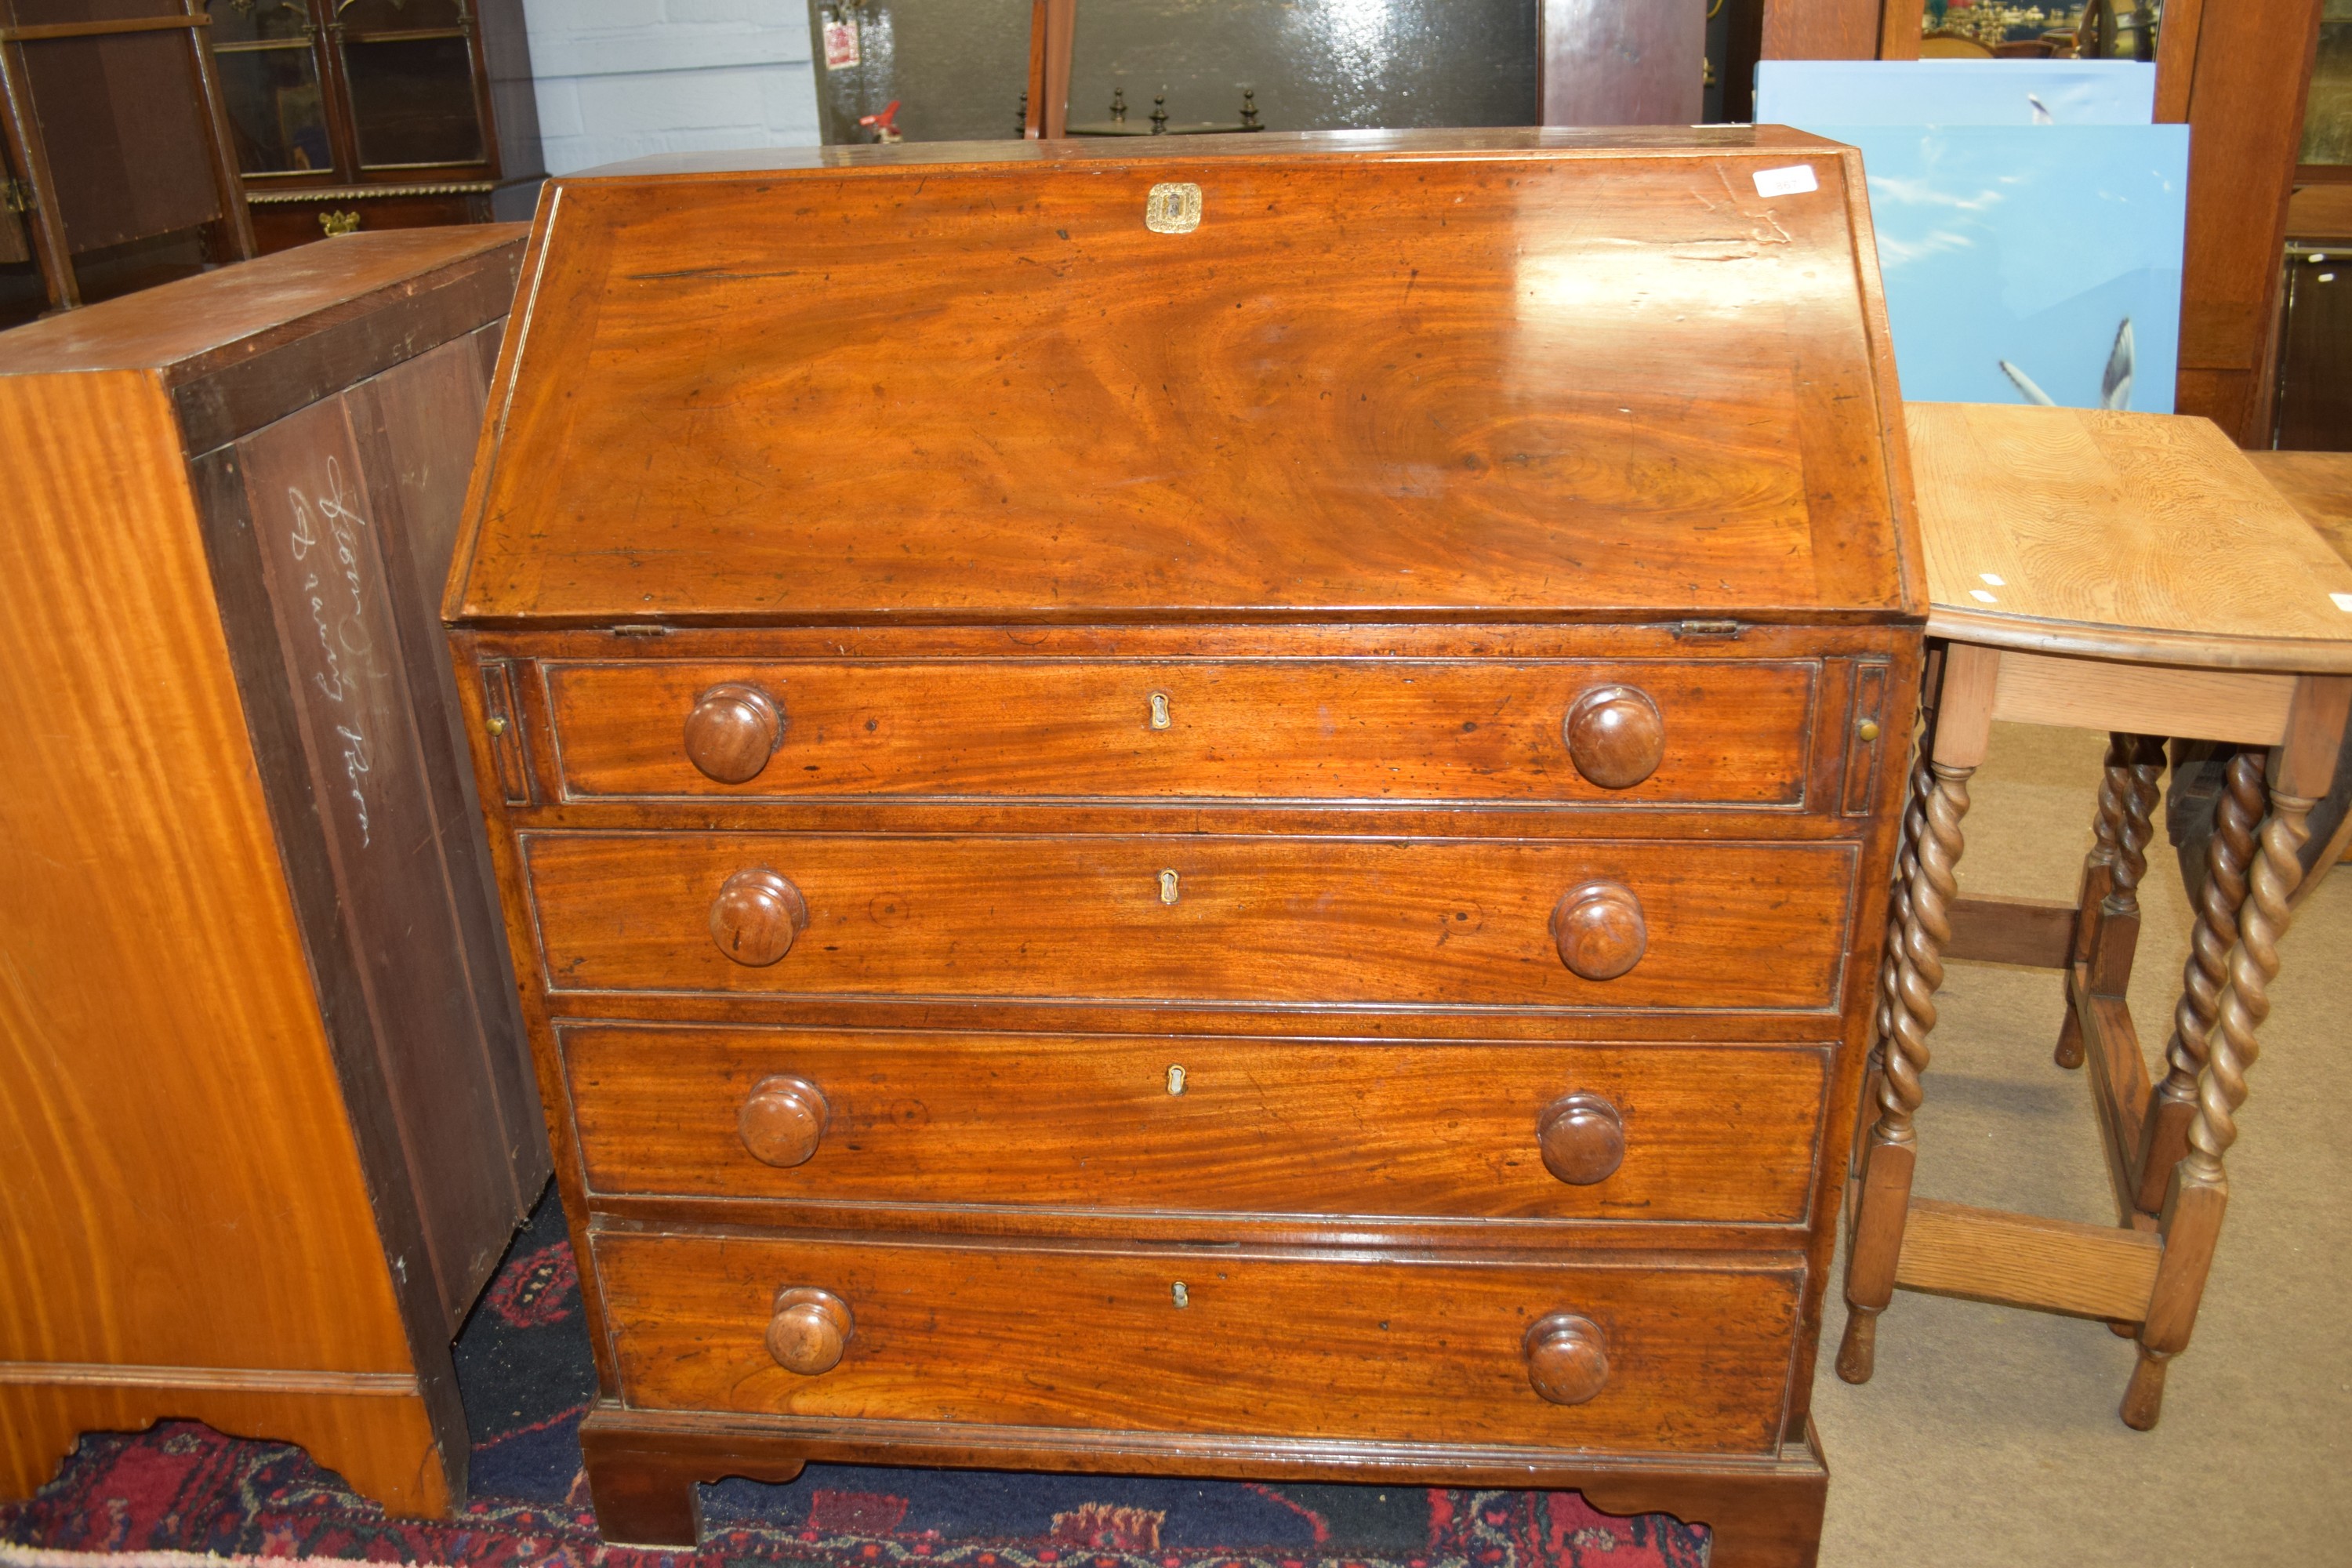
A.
pixel 2165 1129
pixel 1886 1191
pixel 2199 1190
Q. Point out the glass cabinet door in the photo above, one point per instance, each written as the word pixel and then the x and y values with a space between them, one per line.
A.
pixel 2327 116
pixel 409 65
pixel 269 75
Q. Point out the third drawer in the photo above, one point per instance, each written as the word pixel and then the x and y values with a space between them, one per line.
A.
pixel 1715 1133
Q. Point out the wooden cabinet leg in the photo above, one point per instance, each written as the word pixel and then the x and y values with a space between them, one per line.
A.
pixel 1886 1189
pixel 643 1487
pixel 642 1503
pixel 2164 1135
pixel 2199 1190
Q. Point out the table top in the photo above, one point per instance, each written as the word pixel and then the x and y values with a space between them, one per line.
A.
pixel 2140 537
pixel 2316 484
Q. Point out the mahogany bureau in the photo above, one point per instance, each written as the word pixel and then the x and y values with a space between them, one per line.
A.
pixel 1223 812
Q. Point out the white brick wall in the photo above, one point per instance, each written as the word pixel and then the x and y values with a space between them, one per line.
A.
pixel 623 79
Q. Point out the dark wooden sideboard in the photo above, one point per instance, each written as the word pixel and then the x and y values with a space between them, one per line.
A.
pixel 266 1115
pixel 1205 809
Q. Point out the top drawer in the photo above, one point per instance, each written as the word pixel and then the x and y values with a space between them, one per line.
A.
pixel 1522 732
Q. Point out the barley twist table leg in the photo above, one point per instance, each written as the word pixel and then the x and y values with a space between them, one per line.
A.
pixel 1898 913
pixel 2106 824
pixel 2202 1188
pixel 1887 1161
pixel 2217 905
pixel 2137 789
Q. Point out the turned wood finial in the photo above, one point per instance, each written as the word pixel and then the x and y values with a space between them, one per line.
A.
pixel 756 916
pixel 782 1120
pixel 733 731
pixel 1567 1358
pixel 809 1330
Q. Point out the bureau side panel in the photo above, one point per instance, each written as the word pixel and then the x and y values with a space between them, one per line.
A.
pixel 179 1185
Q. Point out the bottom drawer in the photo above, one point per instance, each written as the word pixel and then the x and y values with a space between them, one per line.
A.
pixel 1674 1354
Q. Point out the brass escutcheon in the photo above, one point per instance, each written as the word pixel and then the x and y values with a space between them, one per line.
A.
pixel 1167 887
pixel 1160 709
pixel 1172 209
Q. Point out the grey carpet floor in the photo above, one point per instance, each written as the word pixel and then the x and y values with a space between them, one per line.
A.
pixel 1989 1435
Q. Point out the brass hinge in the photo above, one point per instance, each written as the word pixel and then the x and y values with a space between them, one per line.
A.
pixel 15 195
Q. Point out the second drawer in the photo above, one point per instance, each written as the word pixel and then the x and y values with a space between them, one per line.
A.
pixel 1200 1124
pixel 1585 924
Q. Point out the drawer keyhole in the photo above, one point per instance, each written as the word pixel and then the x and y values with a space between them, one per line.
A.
pixel 1184 1298
pixel 1168 886
pixel 1160 709
pixel 1175 1080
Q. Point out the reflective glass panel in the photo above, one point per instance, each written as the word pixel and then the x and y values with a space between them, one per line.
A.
pixel 399 15
pixel 275 113
pixel 413 101
pixel 2327 119
pixel 239 22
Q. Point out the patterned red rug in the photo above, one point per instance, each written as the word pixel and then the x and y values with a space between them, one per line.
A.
pixel 524 1371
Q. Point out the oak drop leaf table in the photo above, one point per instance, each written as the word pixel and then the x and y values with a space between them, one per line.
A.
pixel 2132 572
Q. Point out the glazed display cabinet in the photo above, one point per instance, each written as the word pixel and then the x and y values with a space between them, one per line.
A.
pixel 350 114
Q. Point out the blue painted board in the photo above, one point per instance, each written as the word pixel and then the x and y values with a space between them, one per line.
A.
pixel 1955 92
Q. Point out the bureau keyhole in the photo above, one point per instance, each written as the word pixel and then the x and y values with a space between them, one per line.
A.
pixel 1182 1297
pixel 1175 1080
pixel 1168 886
pixel 1160 709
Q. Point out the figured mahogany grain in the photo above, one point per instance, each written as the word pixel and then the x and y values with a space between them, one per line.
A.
pixel 1351 729
pixel 1427 1348
pixel 1436 371
pixel 1285 1127
pixel 1288 919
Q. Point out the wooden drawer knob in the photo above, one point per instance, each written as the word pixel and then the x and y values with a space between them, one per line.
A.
pixel 756 916
pixel 732 733
pixel 1567 1358
pixel 810 1327
pixel 1581 1135
pixel 1599 930
pixel 1616 736
pixel 783 1119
